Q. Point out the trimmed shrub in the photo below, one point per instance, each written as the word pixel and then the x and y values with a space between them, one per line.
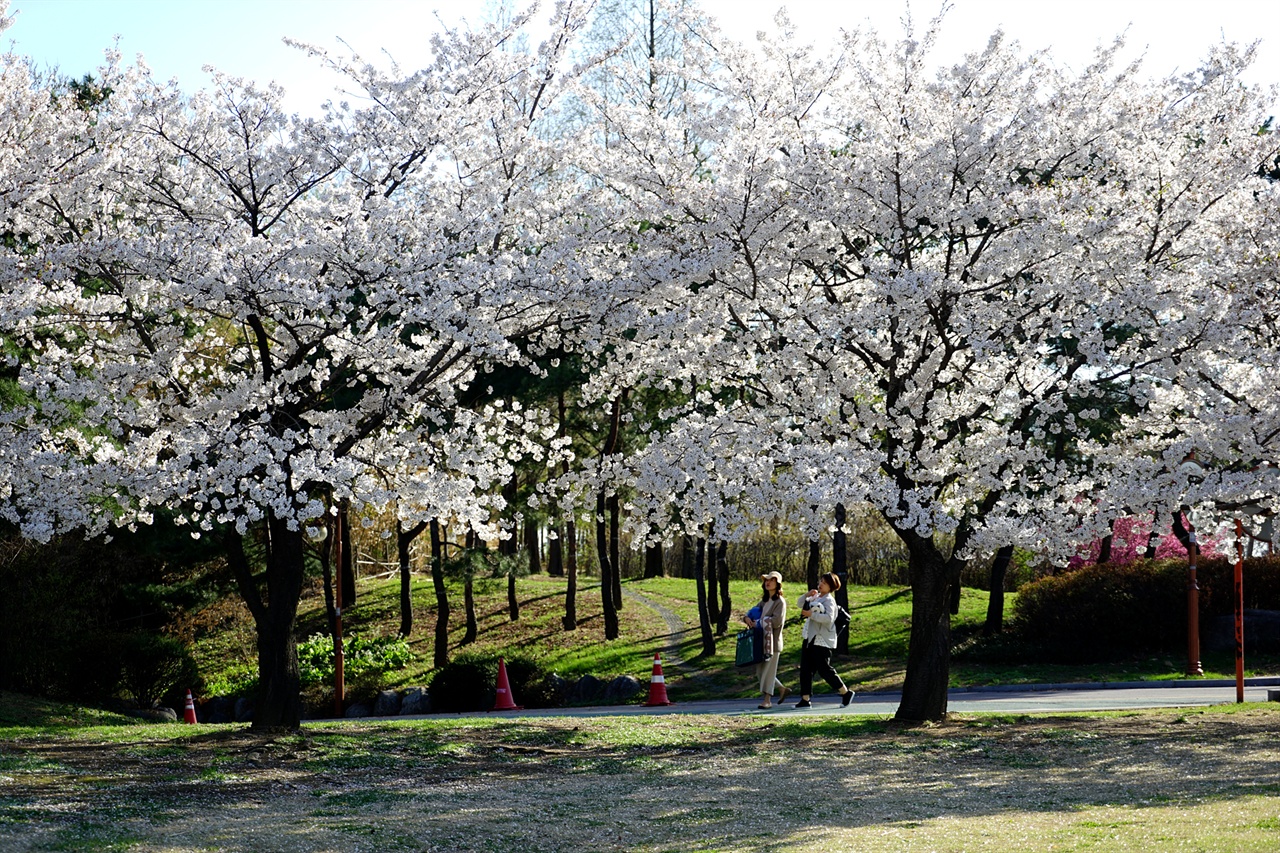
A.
pixel 469 683
pixel 465 683
pixel 1112 611
pixel 152 666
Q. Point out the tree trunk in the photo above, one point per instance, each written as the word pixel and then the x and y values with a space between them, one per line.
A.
pixel 995 603
pixel 686 557
pixel 279 702
pixel 404 538
pixel 1180 531
pixel 569 541
pixel 713 587
pixel 555 553
pixel 469 593
pixel 510 548
pixel 533 544
pixel 726 606
pixel 441 656
pixel 610 588
pixel 704 618
pixel 812 568
pixel 571 575
pixel 615 551
pixel 924 691
pixel 606 573
pixel 326 572
pixel 347 573
pixel 469 607
pixel 840 567
pixel 1153 538
pixel 1104 549
pixel 653 561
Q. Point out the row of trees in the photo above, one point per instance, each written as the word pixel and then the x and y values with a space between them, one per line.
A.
pixel 999 303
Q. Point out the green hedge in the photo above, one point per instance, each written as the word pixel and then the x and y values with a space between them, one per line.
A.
pixel 1113 611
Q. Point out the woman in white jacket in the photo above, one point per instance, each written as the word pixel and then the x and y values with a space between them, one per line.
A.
pixel 818 607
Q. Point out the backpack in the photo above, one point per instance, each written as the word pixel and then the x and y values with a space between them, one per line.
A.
pixel 842 620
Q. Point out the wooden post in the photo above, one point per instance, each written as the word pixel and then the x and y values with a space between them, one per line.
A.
pixel 1239 600
pixel 1193 605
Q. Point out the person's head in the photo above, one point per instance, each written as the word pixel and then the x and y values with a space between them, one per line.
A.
pixel 771 583
pixel 828 583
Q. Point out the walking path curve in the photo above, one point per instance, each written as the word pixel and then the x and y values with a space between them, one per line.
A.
pixel 676 630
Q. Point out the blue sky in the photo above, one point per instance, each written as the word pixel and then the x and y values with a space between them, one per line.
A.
pixel 243 37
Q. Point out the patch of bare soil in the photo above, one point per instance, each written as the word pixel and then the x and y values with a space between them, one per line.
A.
pixel 1206 780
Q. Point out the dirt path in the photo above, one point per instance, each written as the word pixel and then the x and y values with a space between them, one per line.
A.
pixel 676 630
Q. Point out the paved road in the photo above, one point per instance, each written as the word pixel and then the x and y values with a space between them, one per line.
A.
pixel 1034 699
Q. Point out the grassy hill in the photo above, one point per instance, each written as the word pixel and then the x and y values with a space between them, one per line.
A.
pixel 659 615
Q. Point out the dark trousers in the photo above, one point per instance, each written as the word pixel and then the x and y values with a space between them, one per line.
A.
pixel 815 658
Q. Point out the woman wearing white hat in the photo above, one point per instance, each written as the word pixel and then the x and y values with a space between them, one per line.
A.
pixel 773 615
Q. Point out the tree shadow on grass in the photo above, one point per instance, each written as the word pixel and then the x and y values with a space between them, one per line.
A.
pixel 666 783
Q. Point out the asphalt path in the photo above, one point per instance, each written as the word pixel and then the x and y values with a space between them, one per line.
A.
pixel 1021 699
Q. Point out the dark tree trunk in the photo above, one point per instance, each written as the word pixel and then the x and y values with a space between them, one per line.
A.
pixel 653 561
pixel 555 553
pixel 840 567
pixel 813 567
pixel 347 572
pixel 571 575
pixel 469 607
pixel 1104 549
pixel 510 548
pixel 569 542
pixel 1180 530
pixel 404 538
pixel 610 587
pixel 533 544
pixel 279 702
pixel 606 573
pixel 615 551
pixel 704 618
pixel 442 596
pixel 469 593
pixel 1153 538
pixel 326 571
pixel 722 569
pixel 513 602
pixel 924 690
pixel 713 587
pixel 995 603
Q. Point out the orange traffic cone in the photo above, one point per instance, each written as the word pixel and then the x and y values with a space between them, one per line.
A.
pixel 190 713
pixel 658 685
pixel 504 700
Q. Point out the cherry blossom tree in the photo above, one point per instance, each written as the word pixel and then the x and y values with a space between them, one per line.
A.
pixel 1211 434
pixel 245 316
pixel 945 277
